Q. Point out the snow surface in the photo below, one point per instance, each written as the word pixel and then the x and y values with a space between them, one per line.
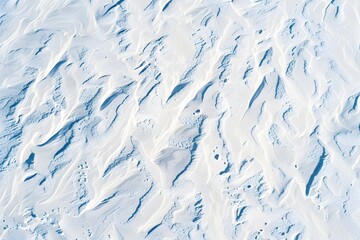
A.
pixel 179 119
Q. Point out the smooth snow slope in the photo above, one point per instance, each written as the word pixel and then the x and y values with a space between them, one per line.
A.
pixel 180 119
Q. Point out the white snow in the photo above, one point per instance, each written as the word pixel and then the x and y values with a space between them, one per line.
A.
pixel 179 119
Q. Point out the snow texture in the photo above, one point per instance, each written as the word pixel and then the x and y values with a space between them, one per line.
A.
pixel 179 119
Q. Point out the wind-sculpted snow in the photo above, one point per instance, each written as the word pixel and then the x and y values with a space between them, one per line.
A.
pixel 180 119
